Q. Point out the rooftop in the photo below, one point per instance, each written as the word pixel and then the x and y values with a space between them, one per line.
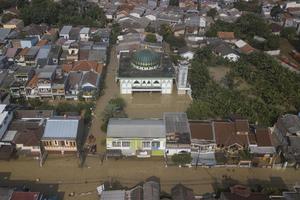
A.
pixel 61 128
pixel 140 128
pixel 164 70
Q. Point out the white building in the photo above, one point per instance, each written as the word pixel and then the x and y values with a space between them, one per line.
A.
pixel 65 32
pixel 84 34
pixel 182 75
pixel 5 119
pixel 145 71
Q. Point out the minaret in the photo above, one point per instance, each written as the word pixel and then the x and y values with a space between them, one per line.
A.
pixel 182 76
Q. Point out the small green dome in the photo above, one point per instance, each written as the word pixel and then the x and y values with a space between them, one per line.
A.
pixel 145 58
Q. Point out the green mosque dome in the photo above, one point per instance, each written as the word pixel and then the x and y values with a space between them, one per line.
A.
pixel 145 59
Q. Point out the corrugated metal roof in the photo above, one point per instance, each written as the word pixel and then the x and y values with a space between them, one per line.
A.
pixel 65 30
pixel 113 195
pixel 176 122
pixel 141 128
pixel 61 128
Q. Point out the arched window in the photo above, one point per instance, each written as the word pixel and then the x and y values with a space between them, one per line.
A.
pixel 144 82
pixel 156 82
pixel 136 82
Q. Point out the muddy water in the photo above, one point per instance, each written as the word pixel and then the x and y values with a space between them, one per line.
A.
pixel 153 105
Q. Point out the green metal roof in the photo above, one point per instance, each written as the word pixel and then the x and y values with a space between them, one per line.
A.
pixel 145 58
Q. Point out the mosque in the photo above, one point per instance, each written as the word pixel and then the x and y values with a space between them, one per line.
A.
pixel 148 71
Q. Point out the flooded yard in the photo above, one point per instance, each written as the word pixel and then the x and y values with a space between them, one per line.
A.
pixel 153 105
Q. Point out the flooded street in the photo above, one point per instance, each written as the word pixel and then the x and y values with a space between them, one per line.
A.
pixel 63 172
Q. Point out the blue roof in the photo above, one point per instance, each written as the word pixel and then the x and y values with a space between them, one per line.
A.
pixel 61 128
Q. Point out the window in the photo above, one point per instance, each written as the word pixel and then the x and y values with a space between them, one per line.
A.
pixel 116 144
pixel 125 144
pixel 155 144
pixel 146 144
pixel 55 142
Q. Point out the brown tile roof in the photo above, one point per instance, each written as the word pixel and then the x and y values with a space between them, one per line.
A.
pixel 87 66
pixel 84 54
pixel 247 49
pixel 201 130
pixel 42 43
pixel 252 138
pixel 241 125
pixel 28 133
pixel 90 77
pixel 263 137
pixel 67 67
pixel 33 82
pixel 226 134
pixel 226 35
pixel 24 52
pixel 25 196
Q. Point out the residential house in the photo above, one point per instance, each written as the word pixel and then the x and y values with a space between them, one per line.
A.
pixel 28 42
pixel 62 134
pixel 262 147
pixel 26 136
pixel 178 134
pixel 5 119
pixel 18 195
pixel 73 52
pixel 73 85
pixel 14 24
pixel 54 54
pixel 42 56
pixel 242 193
pixel 244 47
pixel 232 134
pixel 224 50
pixel 84 34
pixel 65 32
pixel 203 143
pixel 148 190
pixel 226 36
pixel 21 77
pixel 30 56
pixel 90 84
pixel 136 137
pixel 138 11
pixel 20 58
pixel 181 192
pixel 11 54
pixel 4 33
pixel 287 132
pixel 35 30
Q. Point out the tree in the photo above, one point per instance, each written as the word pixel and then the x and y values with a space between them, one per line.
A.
pixel 182 159
pixel 273 42
pixel 212 13
pixel 165 30
pixel 289 33
pixel 275 11
pixel 150 38
pixel 174 3
pixel 115 32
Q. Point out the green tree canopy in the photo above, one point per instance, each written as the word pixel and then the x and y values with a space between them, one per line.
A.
pixel 212 13
pixel 150 37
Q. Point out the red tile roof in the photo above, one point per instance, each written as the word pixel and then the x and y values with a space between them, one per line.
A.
pixel 263 137
pixel 226 35
pixel 227 135
pixel 25 196
pixel 201 130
